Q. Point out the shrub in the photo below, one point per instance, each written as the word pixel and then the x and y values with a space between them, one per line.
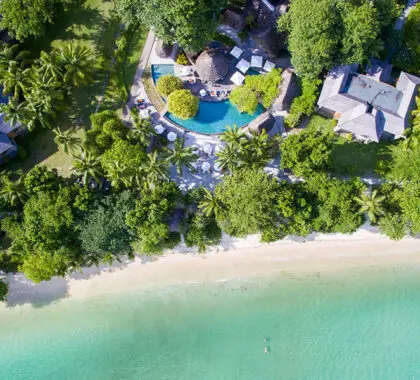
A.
pixel 167 84
pixel 183 104
pixel 245 99
pixel 182 59
pixel 304 104
pixel 224 39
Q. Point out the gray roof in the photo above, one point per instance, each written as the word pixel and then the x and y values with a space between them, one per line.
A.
pixel 289 89
pixel 379 70
pixel 263 121
pixel 347 93
pixel 212 65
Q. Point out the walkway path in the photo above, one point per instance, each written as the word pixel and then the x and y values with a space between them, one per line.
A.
pixel 404 15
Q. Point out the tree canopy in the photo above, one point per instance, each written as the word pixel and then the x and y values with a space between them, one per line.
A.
pixel 325 33
pixel 183 104
pixel 191 23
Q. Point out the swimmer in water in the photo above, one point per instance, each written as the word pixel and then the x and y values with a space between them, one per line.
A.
pixel 266 350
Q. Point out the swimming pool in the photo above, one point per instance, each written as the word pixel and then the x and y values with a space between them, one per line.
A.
pixel 159 70
pixel 214 117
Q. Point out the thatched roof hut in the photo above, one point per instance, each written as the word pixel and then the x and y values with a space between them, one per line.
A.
pixel 163 50
pixel 212 65
pixel 289 89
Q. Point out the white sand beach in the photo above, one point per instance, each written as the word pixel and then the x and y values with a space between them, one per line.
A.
pixel 233 259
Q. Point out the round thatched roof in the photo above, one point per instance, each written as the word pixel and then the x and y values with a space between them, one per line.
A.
pixel 212 65
pixel 163 50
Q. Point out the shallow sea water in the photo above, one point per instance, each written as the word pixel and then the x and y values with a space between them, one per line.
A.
pixel 359 325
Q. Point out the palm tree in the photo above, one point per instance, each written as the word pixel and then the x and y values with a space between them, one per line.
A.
pixel 49 66
pixel 66 140
pixel 12 192
pixel 15 80
pixel 119 175
pixel 142 130
pixel 182 156
pixel 87 166
pixel 232 135
pixel 229 157
pixel 155 170
pixel 209 204
pixel 11 53
pixel 256 151
pixel 77 61
pixel 15 113
pixel 371 204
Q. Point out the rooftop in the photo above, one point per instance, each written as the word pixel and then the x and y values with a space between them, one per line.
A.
pixel 378 94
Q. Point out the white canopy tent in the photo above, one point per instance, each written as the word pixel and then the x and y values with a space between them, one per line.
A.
pixel 172 136
pixel 243 65
pixel 237 78
pixel 269 66
pixel 236 52
pixel 205 167
pixel 257 61
pixel 159 129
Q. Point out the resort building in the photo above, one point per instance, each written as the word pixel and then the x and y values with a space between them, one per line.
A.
pixel 365 104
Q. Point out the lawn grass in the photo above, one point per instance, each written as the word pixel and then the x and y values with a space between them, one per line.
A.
pixel 357 159
pixel 351 157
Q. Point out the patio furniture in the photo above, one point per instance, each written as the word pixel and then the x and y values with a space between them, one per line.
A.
pixel 269 66
pixel 172 136
pixel 208 149
pixel 243 65
pixel 236 52
pixel 205 167
pixel 237 78
pixel 203 92
pixel 186 71
pixel 257 61
pixel 159 129
pixel 144 114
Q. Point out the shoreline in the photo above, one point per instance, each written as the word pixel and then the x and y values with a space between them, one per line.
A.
pixel 234 259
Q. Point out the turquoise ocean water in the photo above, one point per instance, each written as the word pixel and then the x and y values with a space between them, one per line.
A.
pixel 359 325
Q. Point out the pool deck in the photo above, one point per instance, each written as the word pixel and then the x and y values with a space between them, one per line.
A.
pixel 189 179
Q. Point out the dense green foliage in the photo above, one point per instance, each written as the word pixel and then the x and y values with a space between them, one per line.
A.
pixel 149 219
pixel 167 84
pixel 262 89
pixel 304 105
pixel 183 104
pixel 329 32
pixel 4 289
pixel 308 152
pixel 407 43
pixel 191 23
pixel 104 234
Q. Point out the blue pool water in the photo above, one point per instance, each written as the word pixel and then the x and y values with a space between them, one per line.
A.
pixel 159 70
pixel 214 117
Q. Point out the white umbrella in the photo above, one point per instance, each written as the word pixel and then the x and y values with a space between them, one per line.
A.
pixel 237 78
pixel 236 52
pixel 183 186
pixel 243 65
pixel 205 167
pixel 159 129
pixel 172 136
pixel 257 61
pixel 208 149
pixel 203 92
pixel 269 66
